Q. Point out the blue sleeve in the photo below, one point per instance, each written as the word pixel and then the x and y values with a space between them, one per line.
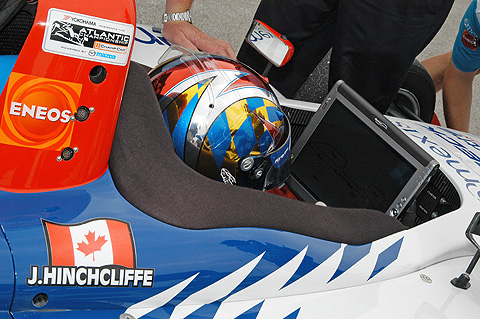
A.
pixel 466 52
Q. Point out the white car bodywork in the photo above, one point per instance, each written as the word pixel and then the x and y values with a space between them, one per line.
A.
pixel 416 285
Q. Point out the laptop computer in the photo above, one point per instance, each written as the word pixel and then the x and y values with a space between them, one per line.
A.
pixel 351 156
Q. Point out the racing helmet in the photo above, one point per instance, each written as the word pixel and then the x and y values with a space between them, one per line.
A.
pixel 224 119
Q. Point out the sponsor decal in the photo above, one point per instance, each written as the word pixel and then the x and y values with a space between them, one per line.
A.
pixel 260 35
pixel 470 41
pixel 149 37
pixel 462 144
pixel 283 155
pixel 469 28
pixel 227 177
pixel 287 151
pixel 87 37
pixel 381 124
pixel 90 37
pixel 97 252
pixel 37 112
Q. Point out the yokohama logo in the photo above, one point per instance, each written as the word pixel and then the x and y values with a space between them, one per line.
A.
pixel 36 112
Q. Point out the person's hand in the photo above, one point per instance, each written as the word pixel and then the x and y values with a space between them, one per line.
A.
pixel 187 35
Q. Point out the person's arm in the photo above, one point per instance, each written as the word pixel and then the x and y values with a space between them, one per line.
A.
pixel 457 97
pixel 187 35
pixel 436 67
pixel 173 6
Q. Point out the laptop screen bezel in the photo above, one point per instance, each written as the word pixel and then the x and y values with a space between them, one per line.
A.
pixel 408 150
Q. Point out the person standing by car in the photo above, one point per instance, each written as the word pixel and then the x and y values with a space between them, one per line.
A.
pixel 454 71
pixel 178 29
pixel 373 42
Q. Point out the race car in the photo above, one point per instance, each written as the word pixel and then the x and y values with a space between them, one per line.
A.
pixel 100 217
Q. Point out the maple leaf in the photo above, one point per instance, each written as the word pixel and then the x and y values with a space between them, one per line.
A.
pixel 92 245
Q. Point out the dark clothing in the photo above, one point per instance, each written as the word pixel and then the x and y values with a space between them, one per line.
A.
pixel 16 20
pixel 374 42
pixel 8 9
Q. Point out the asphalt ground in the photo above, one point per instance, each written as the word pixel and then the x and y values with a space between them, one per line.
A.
pixel 230 19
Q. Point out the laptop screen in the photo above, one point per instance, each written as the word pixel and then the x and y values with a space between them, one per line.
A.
pixel 351 156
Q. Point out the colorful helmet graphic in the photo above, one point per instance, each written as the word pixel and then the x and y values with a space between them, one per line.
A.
pixel 224 120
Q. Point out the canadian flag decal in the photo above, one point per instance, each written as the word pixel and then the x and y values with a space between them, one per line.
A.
pixel 95 242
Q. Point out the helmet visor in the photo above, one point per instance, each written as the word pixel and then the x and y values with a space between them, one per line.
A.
pixel 272 170
pixel 276 132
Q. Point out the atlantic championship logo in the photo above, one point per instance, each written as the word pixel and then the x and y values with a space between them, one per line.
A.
pixel 37 112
